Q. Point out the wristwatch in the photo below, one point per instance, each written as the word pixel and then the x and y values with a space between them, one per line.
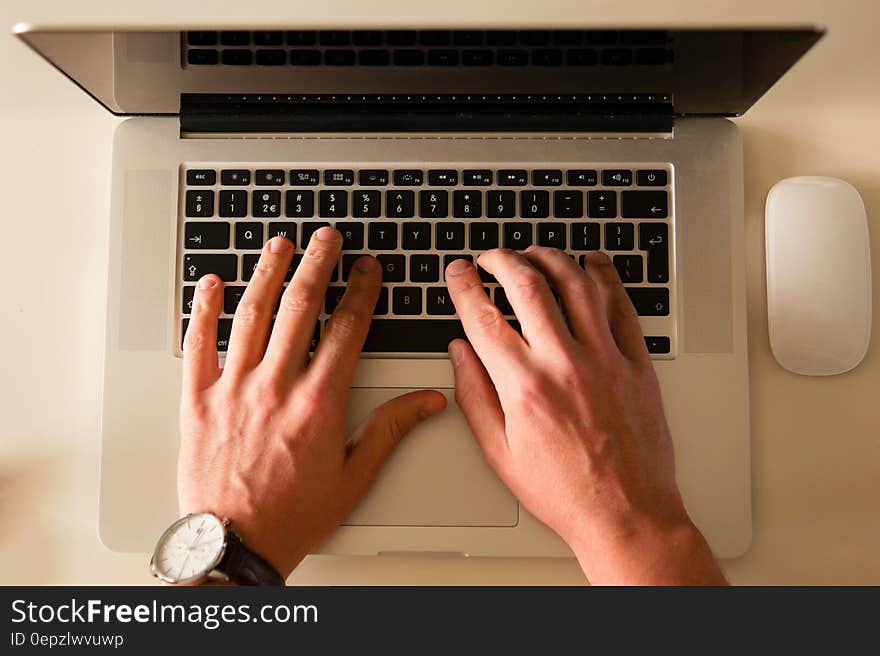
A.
pixel 197 546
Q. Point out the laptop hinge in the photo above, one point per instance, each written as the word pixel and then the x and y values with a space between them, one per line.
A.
pixel 221 113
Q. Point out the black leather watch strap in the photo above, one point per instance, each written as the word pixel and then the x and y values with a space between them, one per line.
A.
pixel 243 567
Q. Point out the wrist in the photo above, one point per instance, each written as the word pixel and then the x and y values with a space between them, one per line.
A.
pixel 647 551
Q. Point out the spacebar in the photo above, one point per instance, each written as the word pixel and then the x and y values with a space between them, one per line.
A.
pixel 412 335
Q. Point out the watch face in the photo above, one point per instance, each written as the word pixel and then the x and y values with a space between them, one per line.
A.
pixel 190 548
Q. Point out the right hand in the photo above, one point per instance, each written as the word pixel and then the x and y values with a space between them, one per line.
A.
pixel 569 414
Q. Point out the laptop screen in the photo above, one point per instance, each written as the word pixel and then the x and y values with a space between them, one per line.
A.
pixel 710 72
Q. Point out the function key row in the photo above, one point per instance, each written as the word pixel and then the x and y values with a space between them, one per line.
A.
pixel 435 177
pixel 430 204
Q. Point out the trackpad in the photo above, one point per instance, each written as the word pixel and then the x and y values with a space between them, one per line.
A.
pixel 436 476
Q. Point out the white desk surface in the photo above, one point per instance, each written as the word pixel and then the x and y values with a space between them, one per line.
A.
pixel 816 442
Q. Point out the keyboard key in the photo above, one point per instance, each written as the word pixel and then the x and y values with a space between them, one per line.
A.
pixel 433 204
pixel 373 178
pixel 617 178
pixel 348 261
pixel 333 204
pixel 477 178
pixel 450 236
pixel 477 58
pixel 299 204
pixel 547 178
pixel 654 238
pixel 568 204
pixel 619 237
pixel 271 57
pixel 197 265
pixel 233 203
pixel 602 204
pixel 412 335
pixel 400 204
pixel 374 57
pixel 269 177
pixel 201 177
pixel 224 329
pixel 616 57
pixel 212 235
pixel 629 268
pixel 249 265
pixel 500 204
pixel 544 57
pixel 232 297
pixel 235 38
pixel 582 178
pixel 408 178
pixel 467 37
pixel 434 37
pixel 467 204
pixel 501 37
pixel 484 236
pixel 644 204
pixel 585 236
pixel 202 57
pixel 283 229
pixel 332 297
pixel 657 344
pixel 512 178
pixel 187 299
pixel 443 57
pixel 237 57
pixel 416 236
pixel 501 302
pixel 382 236
pixel 649 301
pixel 352 235
pixel 551 234
pixel 235 177
pixel 517 236
pixel 424 268
pixel 534 204
pixel 443 177
pixel 266 204
pixel 367 37
pixel 249 235
pixel 304 177
pixel 200 203
pixel 339 57
pixel 268 38
pixel 393 267
pixel 365 204
pixel 513 57
pixel 201 38
pixel 407 300
pixel 449 258
pixel 402 37
pixel 382 303
pixel 308 229
pixel 409 58
pixel 334 37
pixel 305 57
pixel 582 57
pixel 651 178
pixel 438 301
pixel 338 177
pixel 302 38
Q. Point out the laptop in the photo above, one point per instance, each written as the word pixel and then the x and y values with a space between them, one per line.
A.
pixel 421 146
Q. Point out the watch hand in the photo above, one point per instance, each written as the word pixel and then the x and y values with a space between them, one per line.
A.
pixel 182 565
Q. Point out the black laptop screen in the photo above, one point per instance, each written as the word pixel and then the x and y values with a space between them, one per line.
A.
pixel 712 72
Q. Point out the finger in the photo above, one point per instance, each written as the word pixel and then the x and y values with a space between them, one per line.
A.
pixel 622 318
pixel 497 344
pixel 332 367
pixel 375 439
pixel 478 400
pixel 529 295
pixel 301 303
pixel 200 369
pixel 580 297
pixel 250 326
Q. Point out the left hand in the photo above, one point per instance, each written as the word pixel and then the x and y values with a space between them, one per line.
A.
pixel 263 440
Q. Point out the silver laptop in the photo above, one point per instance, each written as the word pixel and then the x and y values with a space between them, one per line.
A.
pixel 422 146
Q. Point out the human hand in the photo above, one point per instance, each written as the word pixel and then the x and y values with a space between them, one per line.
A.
pixel 263 440
pixel 569 414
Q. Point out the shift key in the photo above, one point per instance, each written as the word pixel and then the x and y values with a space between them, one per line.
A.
pixel 197 265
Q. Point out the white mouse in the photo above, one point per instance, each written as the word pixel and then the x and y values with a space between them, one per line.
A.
pixel 818 275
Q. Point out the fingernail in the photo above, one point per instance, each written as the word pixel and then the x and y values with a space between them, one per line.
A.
pixel 531 248
pixel 207 282
pixel 456 353
pixel 457 267
pixel 327 234
pixel 279 245
pixel 366 264
pixel 432 407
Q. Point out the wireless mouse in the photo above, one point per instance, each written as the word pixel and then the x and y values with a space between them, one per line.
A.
pixel 818 275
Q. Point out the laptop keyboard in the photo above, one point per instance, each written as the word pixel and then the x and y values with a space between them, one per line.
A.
pixel 416 221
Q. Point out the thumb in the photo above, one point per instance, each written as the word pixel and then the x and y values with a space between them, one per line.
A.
pixel 374 440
